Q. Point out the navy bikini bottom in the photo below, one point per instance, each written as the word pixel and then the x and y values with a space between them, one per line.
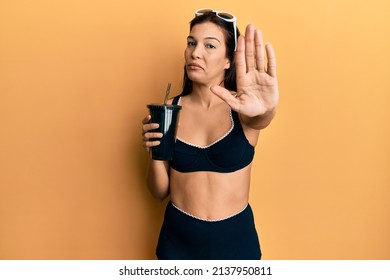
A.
pixel 184 237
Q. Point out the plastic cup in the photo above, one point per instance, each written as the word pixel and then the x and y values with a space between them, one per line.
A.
pixel 167 117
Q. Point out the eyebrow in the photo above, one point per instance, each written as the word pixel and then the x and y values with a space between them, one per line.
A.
pixel 213 38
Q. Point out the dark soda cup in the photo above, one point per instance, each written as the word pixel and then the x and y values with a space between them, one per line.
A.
pixel 167 117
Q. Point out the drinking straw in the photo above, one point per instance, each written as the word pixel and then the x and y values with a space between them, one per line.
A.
pixel 167 93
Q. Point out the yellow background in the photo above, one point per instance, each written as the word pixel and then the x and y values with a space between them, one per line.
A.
pixel 75 77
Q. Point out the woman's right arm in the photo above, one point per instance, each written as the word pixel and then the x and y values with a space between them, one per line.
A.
pixel 158 179
pixel 158 170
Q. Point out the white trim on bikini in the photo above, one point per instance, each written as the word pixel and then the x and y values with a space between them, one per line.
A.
pixel 216 141
pixel 211 220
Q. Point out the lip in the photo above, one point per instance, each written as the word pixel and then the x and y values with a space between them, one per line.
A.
pixel 194 66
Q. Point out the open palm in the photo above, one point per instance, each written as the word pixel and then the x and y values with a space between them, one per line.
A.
pixel 257 85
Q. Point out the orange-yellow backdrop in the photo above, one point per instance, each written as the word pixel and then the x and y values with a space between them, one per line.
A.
pixel 75 77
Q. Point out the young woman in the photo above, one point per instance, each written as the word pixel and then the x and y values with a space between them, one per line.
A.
pixel 230 93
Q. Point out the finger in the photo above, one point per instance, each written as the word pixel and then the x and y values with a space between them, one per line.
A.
pixel 240 58
pixel 150 135
pixel 151 144
pixel 147 119
pixel 226 96
pixel 271 67
pixel 250 47
pixel 149 126
pixel 259 45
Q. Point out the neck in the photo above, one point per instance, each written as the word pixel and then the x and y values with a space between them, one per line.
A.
pixel 204 97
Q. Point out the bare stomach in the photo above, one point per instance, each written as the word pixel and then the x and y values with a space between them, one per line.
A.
pixel 210 195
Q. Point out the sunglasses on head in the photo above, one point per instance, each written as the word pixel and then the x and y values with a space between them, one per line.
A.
pixel 222 15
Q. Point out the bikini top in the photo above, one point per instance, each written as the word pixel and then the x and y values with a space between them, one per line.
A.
pixel 228 154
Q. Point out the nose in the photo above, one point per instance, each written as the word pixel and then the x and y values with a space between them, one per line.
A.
pixel 196 51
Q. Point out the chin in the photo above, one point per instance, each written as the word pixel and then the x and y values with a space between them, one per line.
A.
pixel 194 78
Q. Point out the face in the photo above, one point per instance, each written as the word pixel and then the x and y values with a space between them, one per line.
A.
pixel 205 55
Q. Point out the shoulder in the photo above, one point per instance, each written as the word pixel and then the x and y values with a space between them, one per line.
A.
pixel 174 100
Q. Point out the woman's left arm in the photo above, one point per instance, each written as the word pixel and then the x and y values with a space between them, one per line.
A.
pixel 257 87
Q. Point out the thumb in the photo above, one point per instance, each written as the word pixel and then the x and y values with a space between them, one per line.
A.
pixel 227 96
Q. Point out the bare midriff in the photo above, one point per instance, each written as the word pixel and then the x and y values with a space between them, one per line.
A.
pixel 210 195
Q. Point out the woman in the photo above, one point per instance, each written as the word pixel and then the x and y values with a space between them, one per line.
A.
pixel 208 216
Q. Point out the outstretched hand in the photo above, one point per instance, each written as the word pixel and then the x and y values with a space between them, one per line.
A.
pixel 257 86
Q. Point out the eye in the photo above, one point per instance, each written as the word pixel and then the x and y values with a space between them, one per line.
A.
pixel 210 46
pixel 191 43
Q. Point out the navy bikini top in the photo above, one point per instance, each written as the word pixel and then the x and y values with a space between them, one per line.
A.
pixel 228 154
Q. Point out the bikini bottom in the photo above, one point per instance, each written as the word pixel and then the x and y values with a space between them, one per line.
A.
pixel 185 237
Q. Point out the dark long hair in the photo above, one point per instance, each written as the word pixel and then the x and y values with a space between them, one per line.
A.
pixel 228 29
